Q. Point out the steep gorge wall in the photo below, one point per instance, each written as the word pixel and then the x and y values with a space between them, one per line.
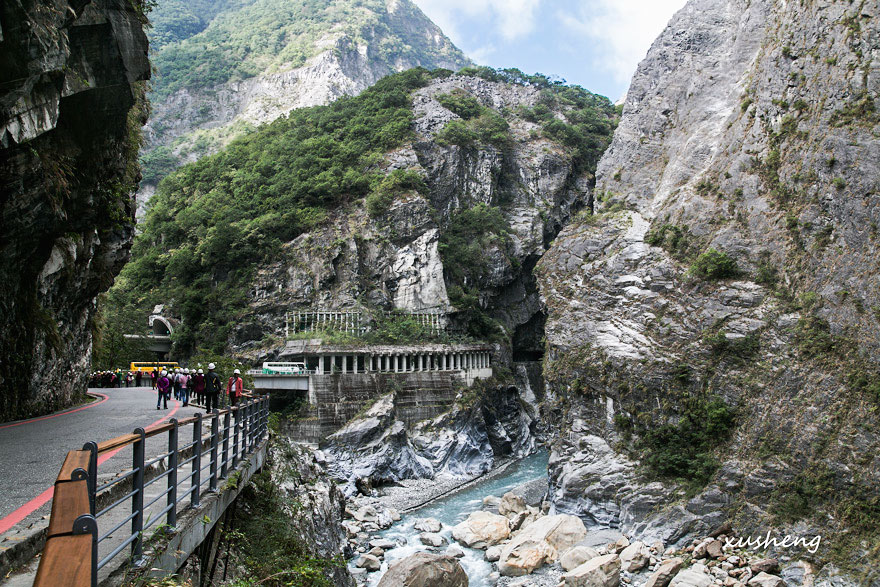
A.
pixel 72 80
pixel 751 128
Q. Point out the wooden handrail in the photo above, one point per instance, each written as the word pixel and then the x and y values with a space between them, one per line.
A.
pixel 71 500
pixel 70 556
pixel 76 459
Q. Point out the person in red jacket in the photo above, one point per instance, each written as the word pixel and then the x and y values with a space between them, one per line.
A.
pixel 199 386
pixel 235 387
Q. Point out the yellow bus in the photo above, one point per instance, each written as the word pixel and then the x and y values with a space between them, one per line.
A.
pixel 146 366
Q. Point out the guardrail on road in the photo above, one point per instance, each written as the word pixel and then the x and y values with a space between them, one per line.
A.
pixel 75 537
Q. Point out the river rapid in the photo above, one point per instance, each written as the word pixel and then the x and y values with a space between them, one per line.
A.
pixel 454 508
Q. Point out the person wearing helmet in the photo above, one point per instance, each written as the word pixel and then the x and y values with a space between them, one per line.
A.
pixel 235 387
pixel 190 390
pixel 212 389
pixel 164 387
pixel 175 382
pixel 184 386
pixel 199 386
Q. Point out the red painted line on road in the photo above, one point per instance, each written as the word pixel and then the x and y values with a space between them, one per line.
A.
pixel 86 407
pixel 36 503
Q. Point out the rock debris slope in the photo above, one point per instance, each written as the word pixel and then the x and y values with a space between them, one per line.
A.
pixel 715 326
pixel 71 107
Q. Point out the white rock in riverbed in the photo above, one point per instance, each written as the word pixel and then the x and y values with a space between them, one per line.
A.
pixel 493 553
pixel 432 539
pixel 635 557
pixel 428 525
pixel 601 571
pixel 576 556
pixel 369 562
pixel 482 529
pixel 540 543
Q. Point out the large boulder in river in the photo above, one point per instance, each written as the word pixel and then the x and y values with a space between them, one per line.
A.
pixel 423 569
pixel 540 543
pixel 482 529
pixel 511 505
pixel 601 571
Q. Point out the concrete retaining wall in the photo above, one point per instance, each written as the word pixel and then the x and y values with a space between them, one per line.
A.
pixel 340 397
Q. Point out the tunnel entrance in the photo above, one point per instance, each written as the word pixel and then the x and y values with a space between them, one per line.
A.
pixel 528 339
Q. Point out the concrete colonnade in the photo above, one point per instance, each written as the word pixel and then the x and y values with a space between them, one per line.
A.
pixel 394 362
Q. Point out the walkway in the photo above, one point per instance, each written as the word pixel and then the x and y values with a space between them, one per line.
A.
pixel 31 451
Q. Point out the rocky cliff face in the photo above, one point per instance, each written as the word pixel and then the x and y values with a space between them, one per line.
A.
pixel 379 448
pixel 392 259
pixel 718 320
pixel 370 40
pixel 71 107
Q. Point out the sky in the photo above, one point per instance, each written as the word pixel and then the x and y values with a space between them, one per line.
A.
pixel 593 43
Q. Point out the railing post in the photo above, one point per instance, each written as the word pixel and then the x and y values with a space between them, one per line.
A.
pixel 236 437
pixel 252 426
pixel 225 445
pixel 264 417
pixel 196 481
pixel 215 426
pixel 87 524
pixel 171 501
pixel 245 429
pixel 92 481
pixel 137 498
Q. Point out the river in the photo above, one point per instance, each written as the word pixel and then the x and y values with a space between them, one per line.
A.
pixel 454 508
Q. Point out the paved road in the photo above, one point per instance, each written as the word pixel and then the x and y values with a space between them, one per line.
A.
pixel 32 451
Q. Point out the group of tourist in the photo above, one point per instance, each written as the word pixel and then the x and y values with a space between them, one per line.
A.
pixel 115 378
pixel 187 385
pixel 194 384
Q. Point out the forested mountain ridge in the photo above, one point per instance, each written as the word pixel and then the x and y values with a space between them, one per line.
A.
pixel 225 67
pixel 430 190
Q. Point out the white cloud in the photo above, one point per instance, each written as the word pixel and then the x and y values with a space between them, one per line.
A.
pixel 624 30
pixel 511 19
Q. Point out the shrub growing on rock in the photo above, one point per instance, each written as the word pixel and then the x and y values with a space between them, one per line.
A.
pixel 713 265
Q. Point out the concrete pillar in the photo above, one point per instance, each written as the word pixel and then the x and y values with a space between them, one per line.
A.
pixel 396 363
pixel 345 363
pixel 421 362
pixel 320 364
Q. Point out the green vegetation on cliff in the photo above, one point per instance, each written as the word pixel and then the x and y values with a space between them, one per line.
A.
pixel 214 223
pixel 202 44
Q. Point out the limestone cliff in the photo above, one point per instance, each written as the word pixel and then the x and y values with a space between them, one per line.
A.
pixel 71 107
pixel 715 326
pixel 254 61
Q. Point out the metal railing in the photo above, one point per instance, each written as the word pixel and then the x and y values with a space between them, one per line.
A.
pixel 86 516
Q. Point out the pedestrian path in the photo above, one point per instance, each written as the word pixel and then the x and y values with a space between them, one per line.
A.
pixel 31 451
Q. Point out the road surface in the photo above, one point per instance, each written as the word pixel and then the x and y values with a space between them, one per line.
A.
pixel 32 451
